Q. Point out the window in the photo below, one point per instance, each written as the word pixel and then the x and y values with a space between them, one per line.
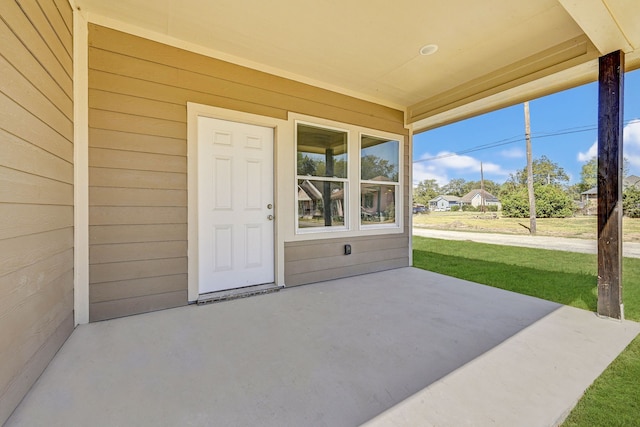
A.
pixel 334 193
pixel 379 180
pixel 322 177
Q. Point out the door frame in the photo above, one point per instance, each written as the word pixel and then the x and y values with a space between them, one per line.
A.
pixel 280 127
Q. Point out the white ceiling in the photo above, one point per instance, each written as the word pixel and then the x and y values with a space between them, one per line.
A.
pixel 370 48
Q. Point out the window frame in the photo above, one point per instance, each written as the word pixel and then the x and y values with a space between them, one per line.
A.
pixel 353 226
pixel 345 182
pixel 397 184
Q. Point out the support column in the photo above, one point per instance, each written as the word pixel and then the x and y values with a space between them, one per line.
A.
pixel 326 191
pixel 80 166
pixel 610 124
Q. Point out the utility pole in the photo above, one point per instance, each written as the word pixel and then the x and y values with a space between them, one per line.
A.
pixel 532 197
pixel 481 189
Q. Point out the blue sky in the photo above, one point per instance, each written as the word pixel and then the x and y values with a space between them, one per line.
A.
pixel 563 127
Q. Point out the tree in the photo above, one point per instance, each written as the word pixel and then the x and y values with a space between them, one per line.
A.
pixel 551 202
pixel 373 167
pixel 489 186
pixel 574 191
pixel 544 172
pixel 314 165
pixel 459 187
pixel 508 187
pixel 425 191
pixel 631 202
pixel 589 175
pixel 455 187
pixel 515 204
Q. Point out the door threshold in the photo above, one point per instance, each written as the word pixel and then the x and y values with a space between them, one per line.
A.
pixel 237 293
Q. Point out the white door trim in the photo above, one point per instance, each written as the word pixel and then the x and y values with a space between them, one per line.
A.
pixel 80 168
pixel 199 110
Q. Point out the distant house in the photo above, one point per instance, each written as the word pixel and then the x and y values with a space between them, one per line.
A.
pixel 479 197
pixel 631 181
pixel 443 203
pixel 589 198
pixel 311 203
pixel 589 201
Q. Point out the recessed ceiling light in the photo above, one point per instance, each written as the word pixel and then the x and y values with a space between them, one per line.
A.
pixel 429 49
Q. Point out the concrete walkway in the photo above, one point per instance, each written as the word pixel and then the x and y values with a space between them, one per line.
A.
pixel 402 347
pixel 631 250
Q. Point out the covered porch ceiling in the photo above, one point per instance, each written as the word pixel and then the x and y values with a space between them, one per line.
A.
pixel 491 53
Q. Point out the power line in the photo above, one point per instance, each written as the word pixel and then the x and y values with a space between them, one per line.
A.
pixel 513 139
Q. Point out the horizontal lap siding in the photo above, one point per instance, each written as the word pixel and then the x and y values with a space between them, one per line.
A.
pixel 36 191
pixel 138 91
pixel 318 260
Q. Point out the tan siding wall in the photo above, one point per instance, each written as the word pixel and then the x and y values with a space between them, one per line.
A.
pixel 318 260
pixel 36 191
pixel 138 90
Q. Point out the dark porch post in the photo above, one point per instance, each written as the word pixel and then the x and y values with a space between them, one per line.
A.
pixel 610 121
pixel 326 191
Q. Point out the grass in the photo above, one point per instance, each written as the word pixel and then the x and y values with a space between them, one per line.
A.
pixel 582 227
pixel 564 277
pixel 612 400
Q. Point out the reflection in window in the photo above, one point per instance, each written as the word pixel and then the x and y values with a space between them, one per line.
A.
pixel 322 165
pixel 320 203
pixel 379 159
pixel 321 152
pixel 377 204
pixel 379 180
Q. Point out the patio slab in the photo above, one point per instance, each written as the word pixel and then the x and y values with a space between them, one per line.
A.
pixel 400 347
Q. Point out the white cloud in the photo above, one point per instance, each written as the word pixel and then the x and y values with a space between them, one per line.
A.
pixel 631 145
pixel 513 153
pixel 589 154
pixel 423 171
pixel 444 164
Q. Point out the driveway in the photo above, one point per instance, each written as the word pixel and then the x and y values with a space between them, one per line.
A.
pixel 631 250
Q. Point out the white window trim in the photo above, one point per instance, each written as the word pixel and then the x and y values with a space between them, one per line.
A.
pixel 345 181
pixel 398 185
pixel 352 196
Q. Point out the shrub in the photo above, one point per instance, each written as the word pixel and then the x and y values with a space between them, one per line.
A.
pixel 551 202
pixel 631 202
pixel 516 204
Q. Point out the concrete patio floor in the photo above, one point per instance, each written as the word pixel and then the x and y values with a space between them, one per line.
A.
pixel 400 347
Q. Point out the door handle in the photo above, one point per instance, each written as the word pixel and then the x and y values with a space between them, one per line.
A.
pixel 270 217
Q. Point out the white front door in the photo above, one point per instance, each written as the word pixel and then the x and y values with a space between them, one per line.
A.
pixel 235 205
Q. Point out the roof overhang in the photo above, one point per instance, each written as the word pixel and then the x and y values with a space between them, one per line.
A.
pixel 491 54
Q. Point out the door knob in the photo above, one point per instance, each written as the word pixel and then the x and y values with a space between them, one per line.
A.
pixel 270 217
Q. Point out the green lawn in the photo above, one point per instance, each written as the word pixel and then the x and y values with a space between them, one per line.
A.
pixel 564 277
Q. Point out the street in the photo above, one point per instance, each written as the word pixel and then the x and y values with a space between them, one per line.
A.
pixel 631 250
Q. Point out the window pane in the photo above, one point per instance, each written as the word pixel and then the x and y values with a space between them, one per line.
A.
pixel 321 152
pixel 379 159
pixel 377 204
pixel 320 204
